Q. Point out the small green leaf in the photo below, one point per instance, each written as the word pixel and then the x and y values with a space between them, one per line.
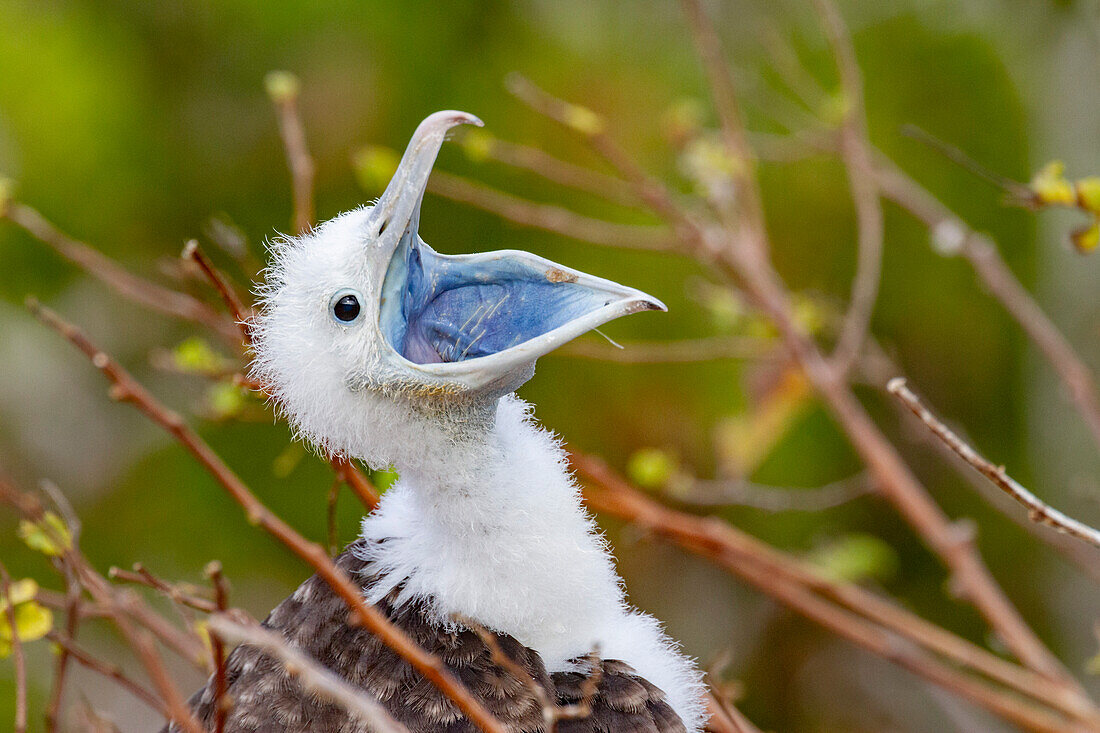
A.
pixel 285 463
pixel 853 558
pixel 651 468
pixel 32 621
pixel 196 355
pixel 226 400
pixel 49 535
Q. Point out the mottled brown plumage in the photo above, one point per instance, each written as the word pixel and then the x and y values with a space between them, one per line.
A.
pixel 314 619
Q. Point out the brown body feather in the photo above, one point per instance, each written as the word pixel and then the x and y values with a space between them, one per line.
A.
pixel 265 698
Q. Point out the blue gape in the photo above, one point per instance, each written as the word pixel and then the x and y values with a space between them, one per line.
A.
pixel 443 308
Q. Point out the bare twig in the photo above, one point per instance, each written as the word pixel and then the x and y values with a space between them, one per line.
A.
pixel 16 652
pixel 701 492
pixel 1037 510
pixel 221 682
pixel 137 289
pixel 313 676
pixel 242 314
pixel 723 89
pixel 555 170
pixel 73 593
pixel 855 149
pixel 141 576
pixel 110 671
pixel 330 516
pixel 726 718
pixel 547 216
pixel 670 352
pixel 283 89
pixel 126 389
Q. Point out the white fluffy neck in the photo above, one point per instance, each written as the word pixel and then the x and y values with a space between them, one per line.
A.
pixel 496 533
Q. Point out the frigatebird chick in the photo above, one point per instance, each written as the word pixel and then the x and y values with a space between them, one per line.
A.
pixel 377 347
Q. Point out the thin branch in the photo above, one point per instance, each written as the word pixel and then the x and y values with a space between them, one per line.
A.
pixel 547 216
pixel 137 289
pixel 319 680
pixel 242 314
pixel 73 593
pixel 715 493
pixel 556 170
pixel 283 89
pixel 726 718
pixel 878 369
pixel 141 576
pixel 330 517
pixel 1037 510
pixel 126 389
pixel 16 651
pixel 855 149
pixel 714 348
pixel 110 671
pixel 222 702
pixel 724 91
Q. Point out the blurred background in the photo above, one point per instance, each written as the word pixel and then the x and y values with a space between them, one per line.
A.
pixel 137 125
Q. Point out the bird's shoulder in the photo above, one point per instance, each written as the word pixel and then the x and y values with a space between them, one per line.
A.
pixel 263 696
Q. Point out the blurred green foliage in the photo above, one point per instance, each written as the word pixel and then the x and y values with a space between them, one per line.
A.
pixel 132 123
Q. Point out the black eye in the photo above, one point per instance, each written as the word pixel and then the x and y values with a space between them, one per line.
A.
pixel 346 308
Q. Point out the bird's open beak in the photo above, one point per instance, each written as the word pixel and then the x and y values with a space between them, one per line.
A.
pixel 478 321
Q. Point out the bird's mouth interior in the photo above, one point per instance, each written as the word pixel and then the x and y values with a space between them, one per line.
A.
pixel 441 308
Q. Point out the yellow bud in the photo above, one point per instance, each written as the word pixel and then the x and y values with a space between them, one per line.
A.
pixel 282 86
pixel 651 467
pixel 1088 194
pixel 1086 238
pixel 836 109
pixel 683 120
pixel 477 144
pixel 1051 187
pixel 583 120
pixel 374 167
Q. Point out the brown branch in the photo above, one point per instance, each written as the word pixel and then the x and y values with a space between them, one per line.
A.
pixel 547 216
pixel 126 389
pixel 283 89
pixel 724 92
pixel 17 652
pixel 314 677
pixel 726 718
pixel 359 484
pixel 217 646
pixel 855 149
pixel 73 593
pixel 137 289
pixel 849 611
pixel 242 314
pixel 107 670
pixel 953 236
pixel 555 170
pixel 714 493
pixel 141 576
pixel 878 370
pixel 1037 510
